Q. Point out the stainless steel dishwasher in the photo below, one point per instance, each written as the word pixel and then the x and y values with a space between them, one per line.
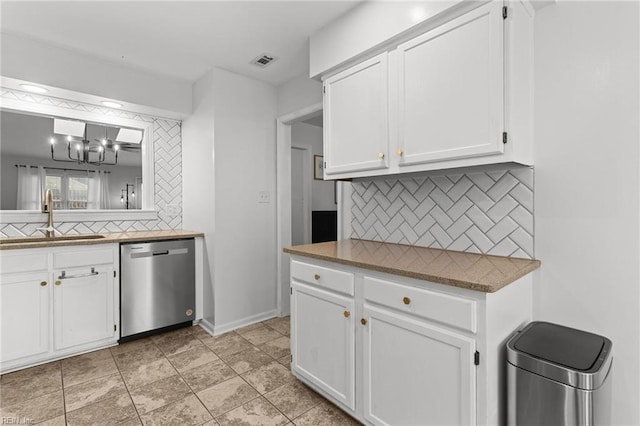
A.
pixel 157 286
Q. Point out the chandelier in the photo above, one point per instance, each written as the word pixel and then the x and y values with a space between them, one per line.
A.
pixel 81 149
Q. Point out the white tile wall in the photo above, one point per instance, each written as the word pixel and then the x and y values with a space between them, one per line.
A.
pixel 167 138
pixel 481 212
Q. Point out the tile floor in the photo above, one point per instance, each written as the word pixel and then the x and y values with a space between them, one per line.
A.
pixel 183 377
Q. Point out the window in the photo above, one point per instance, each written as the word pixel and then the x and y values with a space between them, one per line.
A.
pixel 69 189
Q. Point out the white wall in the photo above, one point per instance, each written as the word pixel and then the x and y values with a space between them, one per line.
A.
pixel 303 134
pixel 198 180
pixel 586 180
pixel 229 145
pixel 33 61
pixel 298 93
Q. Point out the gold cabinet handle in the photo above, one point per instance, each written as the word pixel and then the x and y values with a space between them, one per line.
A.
pixel 381 155
pixel 363 321
pixel 316 277
pixel 406 300
pixel 58 282
pixel 399 152
pixel 347 314
pixel 43 283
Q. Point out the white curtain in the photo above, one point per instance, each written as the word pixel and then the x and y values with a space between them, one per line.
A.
pixel 31 184
pixel 98 191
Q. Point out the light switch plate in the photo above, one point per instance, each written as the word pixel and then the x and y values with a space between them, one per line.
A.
pixel 264 197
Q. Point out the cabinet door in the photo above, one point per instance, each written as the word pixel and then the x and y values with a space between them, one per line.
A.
pixel 83 307
pixel 356 118
pixel 415 373
pixel 25 315
pixel 450 90
pixel 322 341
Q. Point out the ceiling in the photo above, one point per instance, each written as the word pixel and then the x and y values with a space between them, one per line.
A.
pixel 182 39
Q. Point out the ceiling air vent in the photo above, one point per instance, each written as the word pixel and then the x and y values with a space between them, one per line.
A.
pixel 263 60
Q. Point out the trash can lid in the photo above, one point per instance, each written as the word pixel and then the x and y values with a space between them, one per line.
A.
pixel 574 357
pixel 575 349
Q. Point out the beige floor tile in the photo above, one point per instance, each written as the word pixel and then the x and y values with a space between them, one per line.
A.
pixel 178 344
pixel 247 360
pixel 281 325
pixel 36 409
pixel 134 345
pixel 207 375
pixel 106 412
pixel 157 394
pixel 133 359
pixel 131 421
pixel 227 395
pixel 249 327
pixel 56 421
pixel 286 361
pixel 187 411
pixel 227 344
pixel 199 332
pixel 259 335
pixel 325 414
pixel 181 332
pixel 77 396
pixel 30 383
pixel 84 368
pixel 148 373
pixel 211 422
pixel 294 399
pixel 192 358
pixel 277 348
pixel 258 412
pixel 268 377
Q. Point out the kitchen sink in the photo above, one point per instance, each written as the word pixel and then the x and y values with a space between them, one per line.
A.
pixel 21 240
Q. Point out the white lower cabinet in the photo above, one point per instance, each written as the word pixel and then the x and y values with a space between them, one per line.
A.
pixel 391 350
pixel 415 373
pixel 83 308
pixel 324 339
pixel 25 315
pixel 47 314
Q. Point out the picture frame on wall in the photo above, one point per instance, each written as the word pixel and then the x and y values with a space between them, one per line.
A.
pixel 318 167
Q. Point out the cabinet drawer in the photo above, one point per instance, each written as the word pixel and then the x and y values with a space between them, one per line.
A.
pixel 322 277
pixel 90 257
pixel 451 310
pixel 23 261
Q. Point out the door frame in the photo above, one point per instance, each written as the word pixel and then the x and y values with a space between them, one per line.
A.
pixel 283 202
pixel 306 187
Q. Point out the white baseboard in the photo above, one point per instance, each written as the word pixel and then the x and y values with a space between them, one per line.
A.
pixel 234 325
pixel 207 326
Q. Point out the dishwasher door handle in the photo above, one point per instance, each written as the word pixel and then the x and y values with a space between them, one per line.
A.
pixel 169 252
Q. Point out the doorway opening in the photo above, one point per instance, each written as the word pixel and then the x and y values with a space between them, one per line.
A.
pixel 299 151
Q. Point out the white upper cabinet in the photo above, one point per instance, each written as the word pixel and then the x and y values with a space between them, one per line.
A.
pixel 450 90
pixel 356 118
pixel 456 95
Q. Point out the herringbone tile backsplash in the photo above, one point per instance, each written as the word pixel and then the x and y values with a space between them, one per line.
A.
pixel 167 145
pixel 481 212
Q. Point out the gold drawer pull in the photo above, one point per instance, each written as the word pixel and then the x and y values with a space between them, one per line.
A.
pixel 363 321
pixel 43 283
pixel 381 155
pixel 58 282
pixel 399 152
pixel 347 314
pixel 406 300
pixel 316 277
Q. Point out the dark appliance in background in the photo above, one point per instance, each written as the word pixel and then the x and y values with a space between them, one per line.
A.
pixel 324 226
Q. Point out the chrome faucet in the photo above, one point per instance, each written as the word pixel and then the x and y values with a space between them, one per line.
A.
pixel 47 207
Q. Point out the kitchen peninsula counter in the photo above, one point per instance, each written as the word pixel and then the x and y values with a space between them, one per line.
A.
pixel 485 273
pixel 109 237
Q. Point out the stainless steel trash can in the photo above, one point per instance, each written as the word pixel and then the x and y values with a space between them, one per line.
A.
pixel 558 376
